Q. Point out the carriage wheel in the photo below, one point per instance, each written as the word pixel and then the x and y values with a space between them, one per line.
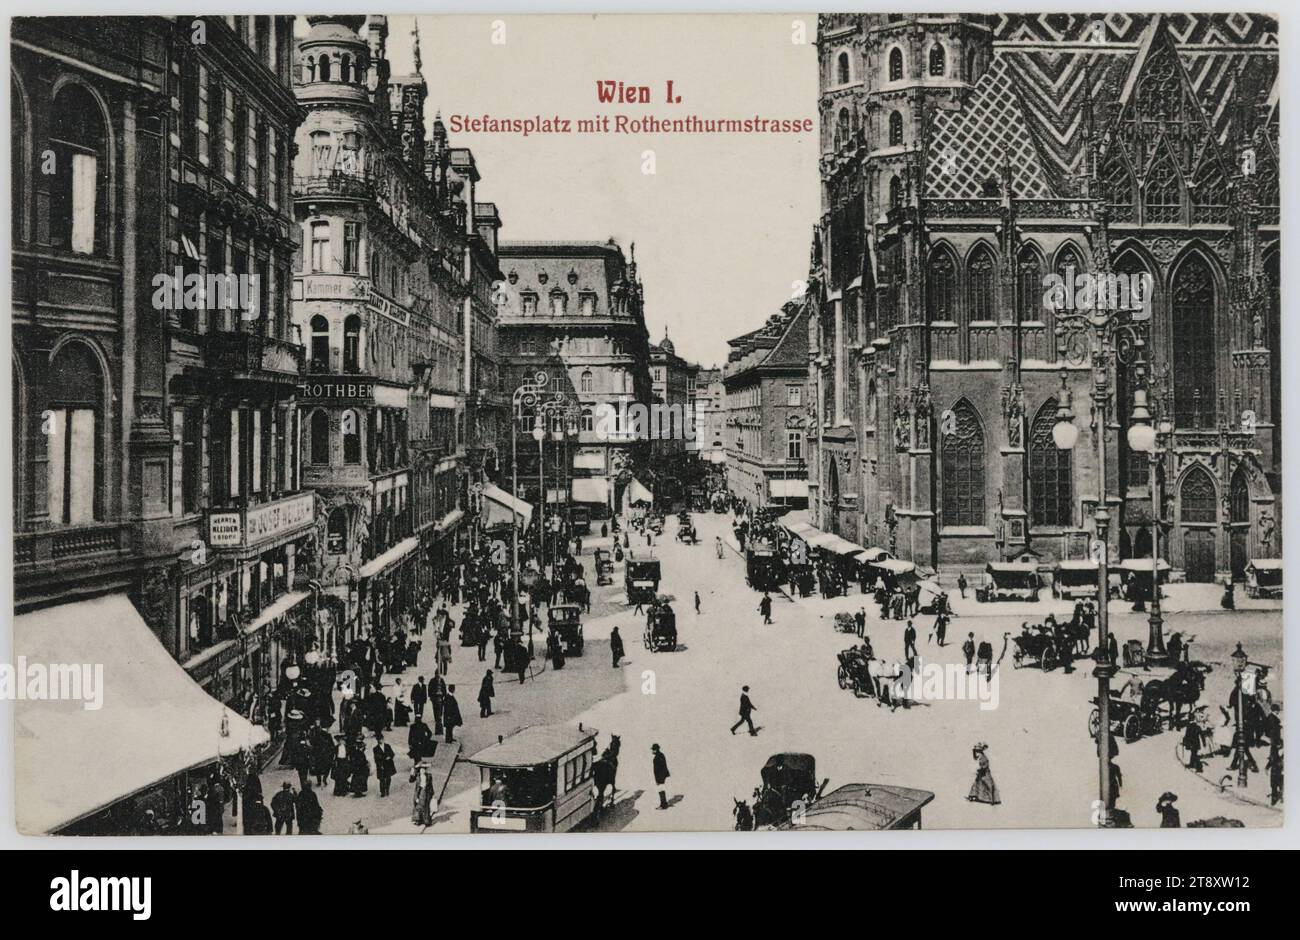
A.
pixel 1181 753
pixel 1132 728
pixel 843 677
pixel 1017 659
pixel 1094 723
pixel 1048 660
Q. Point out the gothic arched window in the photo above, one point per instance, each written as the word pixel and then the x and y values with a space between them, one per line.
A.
pixel 1193 343
pixel 320 438
pixel 895 128
pixel 1050 479
pixel 1069 265
pixel 1198 498
pixel 980 272
pixel 895 65
pixel 895 192
pixel 963 468
pixel 1161 196
pixel 1239 498
pixel 938 60
pixel 842 128
pixel 586 380
pixel 842 73
pixel 1133 467
pixel 941 287
pixel 1029 270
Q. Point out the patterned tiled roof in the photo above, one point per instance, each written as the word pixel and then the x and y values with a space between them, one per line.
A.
pixel 1058 65
pixel 970 146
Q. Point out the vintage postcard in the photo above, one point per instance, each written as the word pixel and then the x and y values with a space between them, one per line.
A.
pixel 446 424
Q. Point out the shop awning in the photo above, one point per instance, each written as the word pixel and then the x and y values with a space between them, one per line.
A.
pixel 276 609
pixel 500 508
pixel 389 558
pixel 638 493
pixel 843 547
pixel 449 520
pixel 896 566
pixel 819 539
pixel 155 721
pixel 872 555
pixel 591 490
pixel 788 489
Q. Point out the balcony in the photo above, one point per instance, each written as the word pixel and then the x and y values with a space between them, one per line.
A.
pixel 336 183
pixel 59 545
pixel 248 355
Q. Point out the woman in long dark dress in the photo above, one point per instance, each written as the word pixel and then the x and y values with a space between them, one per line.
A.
pixel 984 789
pixel 342 769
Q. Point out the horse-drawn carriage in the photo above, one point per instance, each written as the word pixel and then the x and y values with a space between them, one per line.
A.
pixel 1009 581
pixel 538 779
pixel 844 622
pixel 764 569
pixel 661 628
pixel 565 620
pixel 687 534
pixel 641 579
pixel 789 781
pixel 1264 577
pixel 604 564
pixel 1047 645
pixel 1146 700
pixel 854 671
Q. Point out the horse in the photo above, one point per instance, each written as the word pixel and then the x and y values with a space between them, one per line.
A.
pixel 604 770
pixel 744 815
pixel 1183 688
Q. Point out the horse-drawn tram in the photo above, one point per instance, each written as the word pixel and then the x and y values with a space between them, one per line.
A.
pixel 536 780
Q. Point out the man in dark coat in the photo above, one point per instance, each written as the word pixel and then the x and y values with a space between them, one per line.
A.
pixel 437 700
pixel 385 766
pixel 485 694
pixel 283 805
pixel 765 607
pixel 360 768
pixel 661 774
pixel 419 741
pixel 615 646
pixel 747 708
pixel 451 719
pixel 909 641
pixel 419 696
pixel 968 650
pixel 259 820
pixel 309 812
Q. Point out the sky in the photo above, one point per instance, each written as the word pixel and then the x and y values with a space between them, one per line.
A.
pixel 722 227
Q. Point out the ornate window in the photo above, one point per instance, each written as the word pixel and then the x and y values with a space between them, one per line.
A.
pixel 351 437
pixel 1161 196
pixel 78 188
pixel 941 286
pixel 895 129
pixel 842 72
pixel 528 304
pixel 352 344
pixel 1050 477
pixel 842 128
pixel 938 60
pixel 1194 344
pixel 1133 466
pixel 1198 498
pixel 1029 270
pixel 66 455
pixel 559 303
pixel 980 272
pixel 895 65
pixel 586 381
pixel 895 192
pixel 1239 498
pixel 320 344
pixel 963 469
pixel 320 438
pixel 1069 265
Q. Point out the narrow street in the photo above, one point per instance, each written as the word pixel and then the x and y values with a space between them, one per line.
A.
pixel 685 701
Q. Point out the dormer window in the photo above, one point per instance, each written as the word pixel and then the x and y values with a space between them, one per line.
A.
pixel 559 303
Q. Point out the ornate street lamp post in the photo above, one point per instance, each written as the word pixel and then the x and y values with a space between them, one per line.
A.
pixel 1106 338
pixel 1240 754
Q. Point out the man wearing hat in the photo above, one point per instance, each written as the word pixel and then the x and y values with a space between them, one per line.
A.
pixel 747 708
pixel 283 805
pixel 661 774
pixel 1169 818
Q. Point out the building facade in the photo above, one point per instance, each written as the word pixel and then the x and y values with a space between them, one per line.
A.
pixel 380 295
pixel 709 393
pixel 966 160
pixel 765 378
pixel 573 311
pixel 175 413
pixel 670 380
